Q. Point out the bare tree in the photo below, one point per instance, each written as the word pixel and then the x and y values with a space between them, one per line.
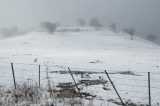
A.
pixel 130 31
pixel 58 24
pixel 12 31
pixel 95 22
pixel 48 26
pixel 152 37
pixel 81 22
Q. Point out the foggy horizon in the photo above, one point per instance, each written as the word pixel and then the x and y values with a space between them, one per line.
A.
pixel 144 15
pixel 79 52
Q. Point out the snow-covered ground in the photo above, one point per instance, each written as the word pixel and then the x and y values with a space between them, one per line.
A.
pixel 87 50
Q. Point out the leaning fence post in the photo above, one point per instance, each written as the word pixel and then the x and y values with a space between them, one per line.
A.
pixel 114 88
pixel 13 76
pixel 75 82
pixel 39 75
pixel 149 89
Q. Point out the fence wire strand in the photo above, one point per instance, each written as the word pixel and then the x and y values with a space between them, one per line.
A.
pixel 31 71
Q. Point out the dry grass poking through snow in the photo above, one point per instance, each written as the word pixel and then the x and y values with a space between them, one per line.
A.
pixel 29 94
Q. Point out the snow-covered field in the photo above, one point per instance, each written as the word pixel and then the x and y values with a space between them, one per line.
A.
pixel 88 50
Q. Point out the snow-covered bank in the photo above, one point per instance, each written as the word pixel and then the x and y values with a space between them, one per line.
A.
pixel 88 50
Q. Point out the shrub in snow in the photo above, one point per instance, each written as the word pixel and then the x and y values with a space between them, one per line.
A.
pixel 152 37
pixel 24 95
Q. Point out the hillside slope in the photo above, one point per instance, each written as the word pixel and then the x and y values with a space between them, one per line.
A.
pixel 82 47
pixel 89 51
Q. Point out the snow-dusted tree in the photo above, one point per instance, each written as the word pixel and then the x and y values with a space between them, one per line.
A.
pixel 48 26
pixel 58 24
pixel 130 31
pixel 113 27
pixel 14 29
pixel 152 37
pixel 95 22
pixel 81 22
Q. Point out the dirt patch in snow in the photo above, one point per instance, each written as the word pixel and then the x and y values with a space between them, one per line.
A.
pixel 76 72
pixel 127 103
pixel 127 73
pixel 69 90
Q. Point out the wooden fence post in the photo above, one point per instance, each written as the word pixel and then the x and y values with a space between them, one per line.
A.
pixel 13 76
pixel 39 75
pixel 149 89
pixel 75 82
pixel 114 88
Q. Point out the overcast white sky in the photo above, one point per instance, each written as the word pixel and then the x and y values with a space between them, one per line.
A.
pixel 143 14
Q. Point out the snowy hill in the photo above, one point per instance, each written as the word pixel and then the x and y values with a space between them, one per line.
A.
pixel 87 50
pixel 91 39
pixel 104 45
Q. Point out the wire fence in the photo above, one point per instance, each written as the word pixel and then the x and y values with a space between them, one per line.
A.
pixel 131 85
